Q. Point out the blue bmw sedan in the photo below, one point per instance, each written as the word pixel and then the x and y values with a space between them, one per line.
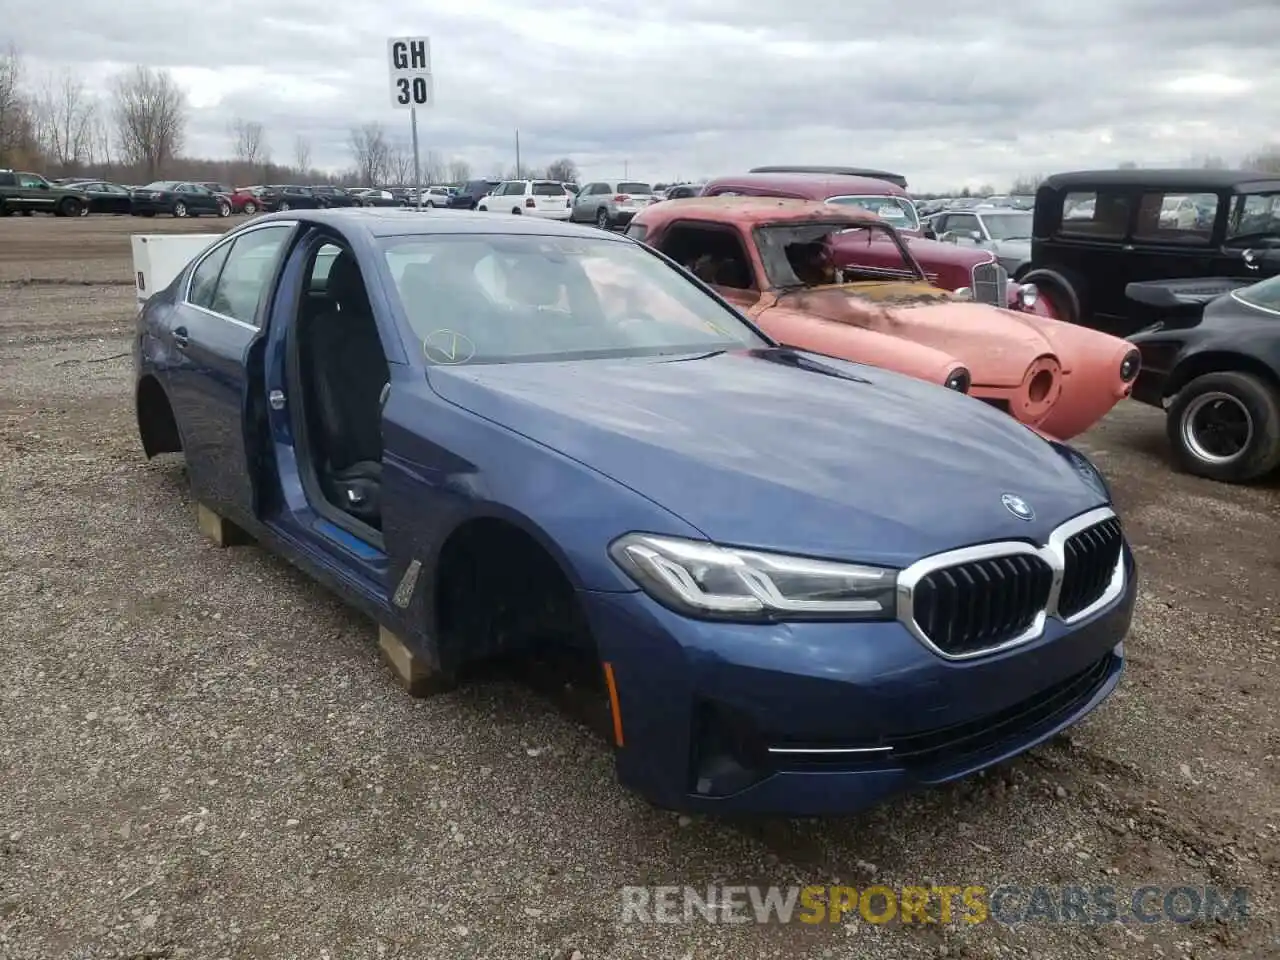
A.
pixel 805 584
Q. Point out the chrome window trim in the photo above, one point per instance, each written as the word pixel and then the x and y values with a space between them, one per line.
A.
pixel 1053 553
pixel 192 267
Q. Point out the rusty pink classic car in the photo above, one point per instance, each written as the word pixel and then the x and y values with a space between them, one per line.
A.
pixel 780 262
pixel 948 265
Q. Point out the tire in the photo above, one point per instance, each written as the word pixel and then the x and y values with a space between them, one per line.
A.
pixel 1226 427
pixel 517 212
pixel 71 207
pixel 602 218
pixel 284 205
pixel 224 210
pixel 482 208
pixel 4 209
pixel 180 209
pixel 249 209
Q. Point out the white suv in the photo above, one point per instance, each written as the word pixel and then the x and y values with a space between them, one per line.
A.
pixel 535 198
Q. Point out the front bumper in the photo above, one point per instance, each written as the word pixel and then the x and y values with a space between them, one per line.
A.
pixel 742 718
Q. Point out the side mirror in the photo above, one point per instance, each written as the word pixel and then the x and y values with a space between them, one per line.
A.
pixel 975 236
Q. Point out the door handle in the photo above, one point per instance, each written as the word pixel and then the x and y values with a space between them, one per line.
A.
pixel 1127 248
pixel 180 337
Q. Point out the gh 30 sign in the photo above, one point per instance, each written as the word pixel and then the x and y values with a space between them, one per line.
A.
pixel 409 59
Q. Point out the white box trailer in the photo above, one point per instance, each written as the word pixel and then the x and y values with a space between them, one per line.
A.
pixel 159 257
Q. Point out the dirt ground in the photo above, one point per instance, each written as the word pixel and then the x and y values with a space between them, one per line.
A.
pixel 202 755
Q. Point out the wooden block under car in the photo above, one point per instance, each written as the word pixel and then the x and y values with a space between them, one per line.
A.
pixel 219 529
pixel 413 673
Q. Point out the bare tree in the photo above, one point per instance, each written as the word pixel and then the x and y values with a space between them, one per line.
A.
pixel 1266 160
pixel 302 153
pixel 371 152
pixel 1128 165
pixel 250 142
pixel 1024 184
pixel 400 165
pixel 459 170
pixel 65 113
pixel 16 133
pixel 433 168
pixel 151 115
pixel 564 170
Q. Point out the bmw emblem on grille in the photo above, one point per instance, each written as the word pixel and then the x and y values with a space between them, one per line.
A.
pixel 1017 506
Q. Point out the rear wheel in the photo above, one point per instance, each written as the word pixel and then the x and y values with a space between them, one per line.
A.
pixel 180 209
pixel 1226 427
pixel 224 210
pixel 602 218
pixel 71 207
pixel 250 208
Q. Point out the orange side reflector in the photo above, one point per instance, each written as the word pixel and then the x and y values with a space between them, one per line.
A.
pixel 613 703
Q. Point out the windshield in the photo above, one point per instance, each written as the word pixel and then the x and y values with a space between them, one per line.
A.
pixel 897 211
pixel 1253 216
pixel 1265 294
pixel 1008 226
pixel 493 298
pixel 812 254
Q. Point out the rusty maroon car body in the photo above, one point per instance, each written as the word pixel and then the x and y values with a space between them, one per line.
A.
pixel 948 265
pixel 1056 377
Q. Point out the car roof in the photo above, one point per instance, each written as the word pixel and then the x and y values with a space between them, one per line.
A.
pixel 394 222
pixel 817 186
pixel 1185 179
pixel 754 211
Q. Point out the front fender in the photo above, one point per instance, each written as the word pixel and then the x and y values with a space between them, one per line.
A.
pixel 1092 384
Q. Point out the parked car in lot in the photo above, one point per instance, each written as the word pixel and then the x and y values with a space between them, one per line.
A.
pixel 179 199
pixel 438 195
pixel 1004 231
pixel 1097 231
pixel 948 265
pixel 28 193
pixel 803 584
pixel 103 197
pixel 288 196
pixel 331 196
pixel 246 200
pixel 374 197
pixel 472 192
pixel 611 203
pixel 1212 362
pixel 781 262
pixel 536 198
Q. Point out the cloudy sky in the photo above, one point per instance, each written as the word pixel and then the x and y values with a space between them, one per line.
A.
pixel 948 92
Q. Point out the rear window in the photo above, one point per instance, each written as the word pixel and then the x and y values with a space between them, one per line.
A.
pixel 546 188
pixel 1096 214
pixel 630 187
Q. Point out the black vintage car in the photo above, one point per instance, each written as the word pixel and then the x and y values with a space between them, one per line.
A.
pixel 1213 363
pixel 104 197
pixel 1095 232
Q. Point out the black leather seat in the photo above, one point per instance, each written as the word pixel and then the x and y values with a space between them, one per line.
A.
pixel 347 368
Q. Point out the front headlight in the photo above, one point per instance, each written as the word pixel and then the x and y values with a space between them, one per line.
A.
pixel 1130 365
pixel 960 381
pixel 706 580
pixel 1028 295
pixel 962 293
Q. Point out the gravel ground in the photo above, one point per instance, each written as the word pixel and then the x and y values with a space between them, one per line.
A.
pixel 202 755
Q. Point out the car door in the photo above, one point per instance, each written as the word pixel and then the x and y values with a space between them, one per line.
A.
pixel 1091 246
pixel 584 207
pixel 34 193
pixel 215 329
pixel 115 198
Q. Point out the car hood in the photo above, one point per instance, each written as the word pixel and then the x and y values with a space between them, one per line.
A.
pixel 997 345
pixel 1011 249
pixel 781 450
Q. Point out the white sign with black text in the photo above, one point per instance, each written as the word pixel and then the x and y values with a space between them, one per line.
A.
pixel 409 59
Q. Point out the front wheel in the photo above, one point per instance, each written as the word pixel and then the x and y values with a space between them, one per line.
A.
pixel 180 209
pixel 224 210
pixel 284 205
pixel 71 207
pixel 250 208
pixel 1226 427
